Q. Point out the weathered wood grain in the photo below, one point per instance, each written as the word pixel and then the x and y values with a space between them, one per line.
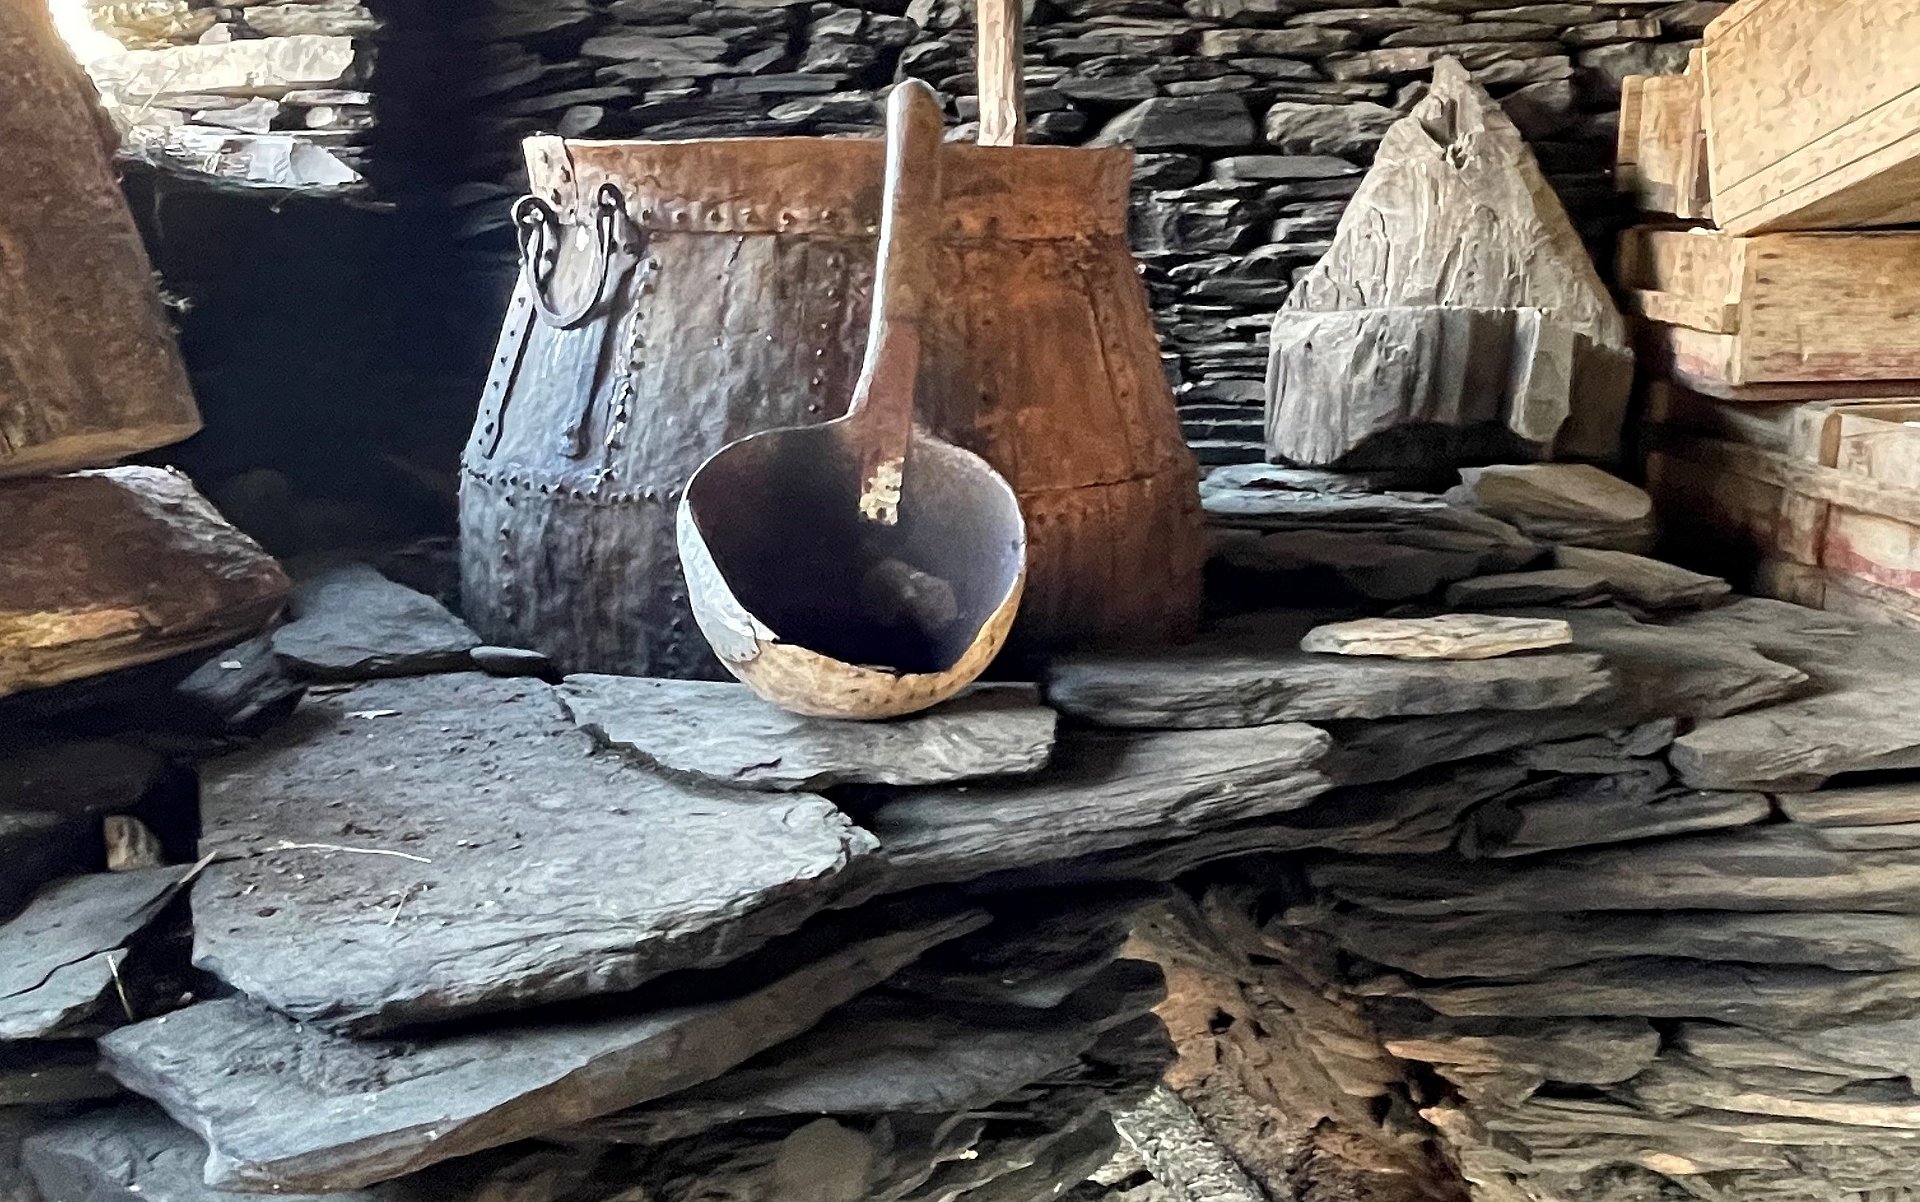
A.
pixel 1811 108
pixel 1454 215
pixel 115 568
pixel 1800 308
pixel 1663 160
pixel 88 368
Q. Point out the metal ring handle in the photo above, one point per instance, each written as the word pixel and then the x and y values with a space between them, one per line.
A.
pixel 537 227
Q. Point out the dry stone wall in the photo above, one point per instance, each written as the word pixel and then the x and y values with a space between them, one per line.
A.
pixel 1253 119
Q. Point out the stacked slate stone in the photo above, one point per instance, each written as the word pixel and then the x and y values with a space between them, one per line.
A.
pixel 272 95
pixel 662 69
pixel 451 930
pixel 1628 915
pixel 1253 119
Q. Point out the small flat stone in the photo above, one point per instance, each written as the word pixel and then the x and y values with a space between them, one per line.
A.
pixel 352 623
pixel 725 734
pixel 510 661
pixel 1561 503
pixel 1550 586
pixel 287 1107
pixel 1450 636
pixel 1251 671
pixel 59 956
pixel 1103 792
pixel 416 849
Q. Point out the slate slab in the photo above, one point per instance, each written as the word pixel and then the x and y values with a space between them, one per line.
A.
pixel 898 1055
pixel 1562 503
pixel 1893 804
pixel 352 623
pixel 285 1106
pixel 1589 811
pixel 1506 945
pixel 59 956
pixel 1771 868
pixel 1648 583
pixel 1250 671
pixel 1388 546
pixel 725 734
pixel 1858 716
pixel 1661 672
pixel 1103 792
pixel 134 1153
pixel 1448 636
pixel 1735 993
pixel 412 850
pixel 1550 586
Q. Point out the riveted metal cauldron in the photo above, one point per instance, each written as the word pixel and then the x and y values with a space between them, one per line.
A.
pixel 676 296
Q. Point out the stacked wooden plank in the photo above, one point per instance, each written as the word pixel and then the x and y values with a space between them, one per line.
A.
pixel 1773 299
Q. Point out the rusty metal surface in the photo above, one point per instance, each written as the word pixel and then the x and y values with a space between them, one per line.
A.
pixel 1043 362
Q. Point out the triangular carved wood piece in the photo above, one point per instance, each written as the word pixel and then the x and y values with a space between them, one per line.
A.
pixel 1457 314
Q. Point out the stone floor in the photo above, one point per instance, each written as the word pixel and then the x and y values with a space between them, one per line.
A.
pixel 1611 902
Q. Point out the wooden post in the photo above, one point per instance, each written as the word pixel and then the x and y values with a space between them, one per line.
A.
pixel 88 368
pixel 1003 80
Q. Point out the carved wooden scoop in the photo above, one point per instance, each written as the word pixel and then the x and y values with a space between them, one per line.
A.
pixel 862 568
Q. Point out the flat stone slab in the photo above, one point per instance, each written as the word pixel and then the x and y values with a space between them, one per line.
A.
pixel 1250 671
pixel 1103 792
pixel 285 1106
pixel 1449 636
pixel 1895 804
pixel 1858 714
pixel 1549 586
pixel 1662 672
pixel 1767 868
pixel 59 957
pixel 896 1055
pixel 724 733
pixel 1638 580
pixel 1385 545
pixel 1561 503
pixel 1515 945
pixel 133 1151
pixel 352 623
pixel 417 849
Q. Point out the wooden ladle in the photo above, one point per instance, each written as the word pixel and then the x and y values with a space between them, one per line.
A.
pixel 862 568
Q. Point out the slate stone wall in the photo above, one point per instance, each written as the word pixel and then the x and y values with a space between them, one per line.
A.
pixel 1253 118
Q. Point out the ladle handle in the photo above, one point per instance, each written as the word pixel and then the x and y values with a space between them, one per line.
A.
pixel 882 406
pixel 1003 78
